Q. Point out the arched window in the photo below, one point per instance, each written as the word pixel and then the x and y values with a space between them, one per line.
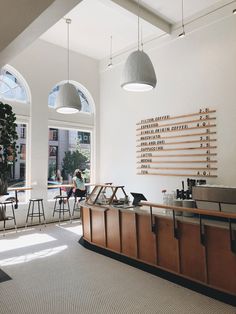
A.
pixel 85 103
pixel 12 87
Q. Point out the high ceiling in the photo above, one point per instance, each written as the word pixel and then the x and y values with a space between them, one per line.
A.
pixel 94 21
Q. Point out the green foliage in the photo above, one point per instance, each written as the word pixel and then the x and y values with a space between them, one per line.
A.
pixel 71 161
pixel 8 137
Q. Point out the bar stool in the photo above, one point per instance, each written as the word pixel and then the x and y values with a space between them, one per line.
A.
pixel 38 213
pixel 62 201
pixel 76 202
pixel 3 215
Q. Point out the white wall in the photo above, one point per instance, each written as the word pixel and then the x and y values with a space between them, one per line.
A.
pixel 43 65
pixel 194 72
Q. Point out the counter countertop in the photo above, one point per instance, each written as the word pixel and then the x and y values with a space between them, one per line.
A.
pixel 160 212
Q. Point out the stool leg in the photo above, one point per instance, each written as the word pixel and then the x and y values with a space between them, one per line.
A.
pixel 39 213
pixel 55 205
pixel 63 208
pixel 69 211
pixel 75 201
pixel 28 214
pixel 14 217
pixel 43 213
pixel 4 218
pixel 32 214
pixel 60 212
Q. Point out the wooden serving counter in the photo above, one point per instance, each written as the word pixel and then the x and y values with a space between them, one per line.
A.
pixel 200 250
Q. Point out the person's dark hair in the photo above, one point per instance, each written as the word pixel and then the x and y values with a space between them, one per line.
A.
pixel 78 175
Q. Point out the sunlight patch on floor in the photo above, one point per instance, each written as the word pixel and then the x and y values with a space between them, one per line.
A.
pixel 32 256
pixel 24 241
pixel 75 229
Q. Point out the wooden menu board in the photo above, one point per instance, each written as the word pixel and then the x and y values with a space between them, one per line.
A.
pixel 182 145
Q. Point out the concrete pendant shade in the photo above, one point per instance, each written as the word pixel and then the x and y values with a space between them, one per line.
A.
pixel 138 73
pixel 68 100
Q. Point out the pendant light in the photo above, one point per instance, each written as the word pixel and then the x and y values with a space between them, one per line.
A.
pixel 183 30
pixel 138 73
pixel 68 100
pixel 110 64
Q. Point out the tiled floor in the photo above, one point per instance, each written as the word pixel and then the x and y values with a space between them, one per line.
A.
pixel 52 273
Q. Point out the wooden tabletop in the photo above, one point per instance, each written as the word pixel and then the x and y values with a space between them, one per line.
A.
pixel 20 188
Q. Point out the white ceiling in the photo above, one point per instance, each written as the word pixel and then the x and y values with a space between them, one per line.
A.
pixel 94 21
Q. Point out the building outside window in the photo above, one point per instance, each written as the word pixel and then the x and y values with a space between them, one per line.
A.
pixel 22 131
pixel 53 134
pixel 22 152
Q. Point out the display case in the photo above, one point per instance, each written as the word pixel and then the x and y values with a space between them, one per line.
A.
pixel 107 194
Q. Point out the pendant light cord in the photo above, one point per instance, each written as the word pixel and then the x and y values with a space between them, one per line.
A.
pixel 68 21
pixel 111 51
pixel 183 15
pixel 138 24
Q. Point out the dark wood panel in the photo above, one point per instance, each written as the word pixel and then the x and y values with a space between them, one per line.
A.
pixel 86 223
pixel 113 230
pixel 221 261
pixel 167 245
pixel 98 227
pixel 192 253
pixel 146 240
pixel 128 234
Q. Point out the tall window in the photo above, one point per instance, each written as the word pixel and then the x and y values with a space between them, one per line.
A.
pixel 66 154
pixel 11 88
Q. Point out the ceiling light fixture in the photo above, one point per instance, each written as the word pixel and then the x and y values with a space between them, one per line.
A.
pixel 183 30
pixel 110 62
pixel 234 11
pixel 138 73
pixel 68 100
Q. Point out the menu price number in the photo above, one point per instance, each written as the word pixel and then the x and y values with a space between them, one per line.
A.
pixel 204 173
pixel 202 124
pixel 204 117
pixel 205 145
pixel 205 138
pixel 205 110
pixel 144 172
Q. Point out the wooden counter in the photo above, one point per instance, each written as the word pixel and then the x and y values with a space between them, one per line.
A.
pixel 193 248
